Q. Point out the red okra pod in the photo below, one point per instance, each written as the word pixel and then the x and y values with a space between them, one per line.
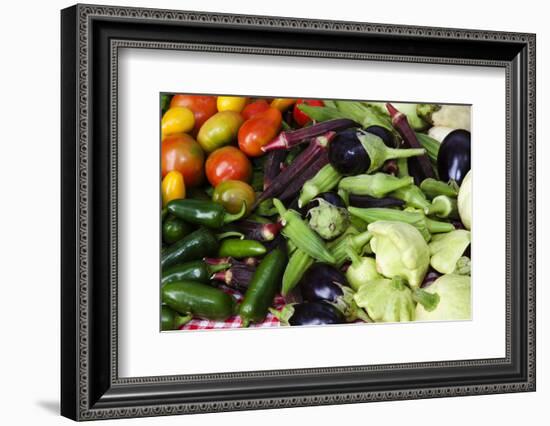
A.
pixel 401 124
pixel 301 164
pixel 238 276
pixel 273 166
pixel 288 139
pixel 297 184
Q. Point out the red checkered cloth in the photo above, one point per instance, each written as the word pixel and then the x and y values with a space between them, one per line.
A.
pixel 235 321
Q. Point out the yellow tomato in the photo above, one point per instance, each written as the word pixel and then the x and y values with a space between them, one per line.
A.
pixel 231 103
pixel 282 104
pixel 173 187
pixel 177 120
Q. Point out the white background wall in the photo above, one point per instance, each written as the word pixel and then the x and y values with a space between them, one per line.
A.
pixel 29 225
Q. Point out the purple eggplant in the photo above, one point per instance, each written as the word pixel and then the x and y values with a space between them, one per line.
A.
pixel 347 155
pixel 322 282
pixel 454 157
pixel 430 277
pixel 384 134
pixel 315 313
pixel 366 201
pixel 353 152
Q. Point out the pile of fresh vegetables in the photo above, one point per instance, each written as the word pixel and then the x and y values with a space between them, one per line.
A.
pixel 352 211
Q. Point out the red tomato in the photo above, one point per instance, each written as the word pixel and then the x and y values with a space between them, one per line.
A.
pixel 203 107
pixel 300 117
pixel 254 108
pixel 227 163
pixel 182 153
pixel 259 131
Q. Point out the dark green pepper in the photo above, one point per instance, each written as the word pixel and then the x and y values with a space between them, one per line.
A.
pixel 173 229
pixel 198 299
pixel 265 283
pixel 171 320
pixel 197 270
pixel 198 244
pixel 201 212
pixel 241 248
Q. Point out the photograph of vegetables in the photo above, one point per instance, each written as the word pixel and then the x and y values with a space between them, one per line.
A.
pixel 288 212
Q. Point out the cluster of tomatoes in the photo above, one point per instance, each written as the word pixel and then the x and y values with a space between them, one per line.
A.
pixel 216 137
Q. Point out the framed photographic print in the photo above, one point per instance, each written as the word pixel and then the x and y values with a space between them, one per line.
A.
pixel 263 212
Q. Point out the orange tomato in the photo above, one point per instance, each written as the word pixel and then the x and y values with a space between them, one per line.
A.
pixel 182 153
pixel 259 131
pixel 227 163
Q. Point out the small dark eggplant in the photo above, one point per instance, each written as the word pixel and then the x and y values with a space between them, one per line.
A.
pixel 322 282
pixel 315 313
pixel 454 157
pixel 346 153
pixel 382 133
pixel 353 152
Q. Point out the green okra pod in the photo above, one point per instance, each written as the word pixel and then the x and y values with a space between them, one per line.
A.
pixel 430 145
pixel 379 153
pixel 425 225
pixel 326 179
pixel 376 185
pixel 353 240
pixel 412 195
pixel 433 187
pixel 298 263
pixel 443 206
pixel 301 235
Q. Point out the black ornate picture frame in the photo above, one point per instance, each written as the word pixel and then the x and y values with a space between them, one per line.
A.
pixel 91 36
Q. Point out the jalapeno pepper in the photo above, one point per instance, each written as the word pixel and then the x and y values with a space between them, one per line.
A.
pixel 197 270
pixel 171 320
pixel 198 244
pixel 265 283
pixel 205 213
pixel 201 300
pixel 241 248
pixel 173 229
